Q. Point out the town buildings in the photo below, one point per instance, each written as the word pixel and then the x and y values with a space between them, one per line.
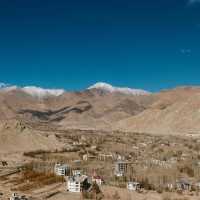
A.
pixel 78 183
pixel 61 169
pixel 121 168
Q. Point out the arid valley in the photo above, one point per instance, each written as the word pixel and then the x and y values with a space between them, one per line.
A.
pixel 110 144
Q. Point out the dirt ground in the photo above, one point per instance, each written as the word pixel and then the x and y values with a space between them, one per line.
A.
pixel 58 192
pixel 124 194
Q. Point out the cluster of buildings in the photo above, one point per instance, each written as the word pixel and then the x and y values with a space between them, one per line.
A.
pixel 76 181
pixel 121 169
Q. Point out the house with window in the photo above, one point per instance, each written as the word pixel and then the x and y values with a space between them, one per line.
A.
pixel 61 169
pixel 121 168
pixel 78 183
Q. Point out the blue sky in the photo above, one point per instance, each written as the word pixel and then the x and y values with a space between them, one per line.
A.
pixel 72 44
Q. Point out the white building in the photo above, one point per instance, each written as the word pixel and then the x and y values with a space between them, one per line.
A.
pixel 134 186
pixel 121 168
pixel 77 183
pixel 87 157
pixel 73 185
pixel 61 170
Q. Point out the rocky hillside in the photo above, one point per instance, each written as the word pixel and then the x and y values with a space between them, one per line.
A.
pixel 174 111
pixel 93 108
pixel 104 107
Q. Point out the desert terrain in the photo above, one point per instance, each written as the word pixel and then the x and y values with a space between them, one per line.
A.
pixel 157 135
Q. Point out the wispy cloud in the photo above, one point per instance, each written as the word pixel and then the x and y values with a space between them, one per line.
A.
pixel 194 1
pixel 186 51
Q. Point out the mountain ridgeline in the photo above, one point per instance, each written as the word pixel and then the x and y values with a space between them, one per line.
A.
pixel 104 107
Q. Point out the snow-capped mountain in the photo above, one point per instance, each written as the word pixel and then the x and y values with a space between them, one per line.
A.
pixel 41 92
pixel 128 109
pixel 109 88
pixel 33 90
pixel 7 87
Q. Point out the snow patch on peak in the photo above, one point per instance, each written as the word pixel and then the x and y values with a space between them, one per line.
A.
pixel 109 88
pixel 7 87
pixel 41 93
pixel 103 86
pixel 32 90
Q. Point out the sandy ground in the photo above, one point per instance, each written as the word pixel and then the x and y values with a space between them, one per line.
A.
pixel 5 190
pixel 124 195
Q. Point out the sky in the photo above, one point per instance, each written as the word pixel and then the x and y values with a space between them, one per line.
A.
pixel 147 44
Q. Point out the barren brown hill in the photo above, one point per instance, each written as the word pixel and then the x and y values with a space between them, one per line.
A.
pixel 174 111
pixel 89 109
pixel 24 117
pixel 15 136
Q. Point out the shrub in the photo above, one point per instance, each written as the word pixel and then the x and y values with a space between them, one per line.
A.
pixel 146 185
pixel 33 154
pixel 31 179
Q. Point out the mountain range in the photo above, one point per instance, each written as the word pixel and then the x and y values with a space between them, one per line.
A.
pixel 99 107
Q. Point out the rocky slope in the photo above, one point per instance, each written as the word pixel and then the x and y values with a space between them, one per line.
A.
pixel 16 136
pixel 101 107
pixel 93 108
pixel 31 116
pixel 174 111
